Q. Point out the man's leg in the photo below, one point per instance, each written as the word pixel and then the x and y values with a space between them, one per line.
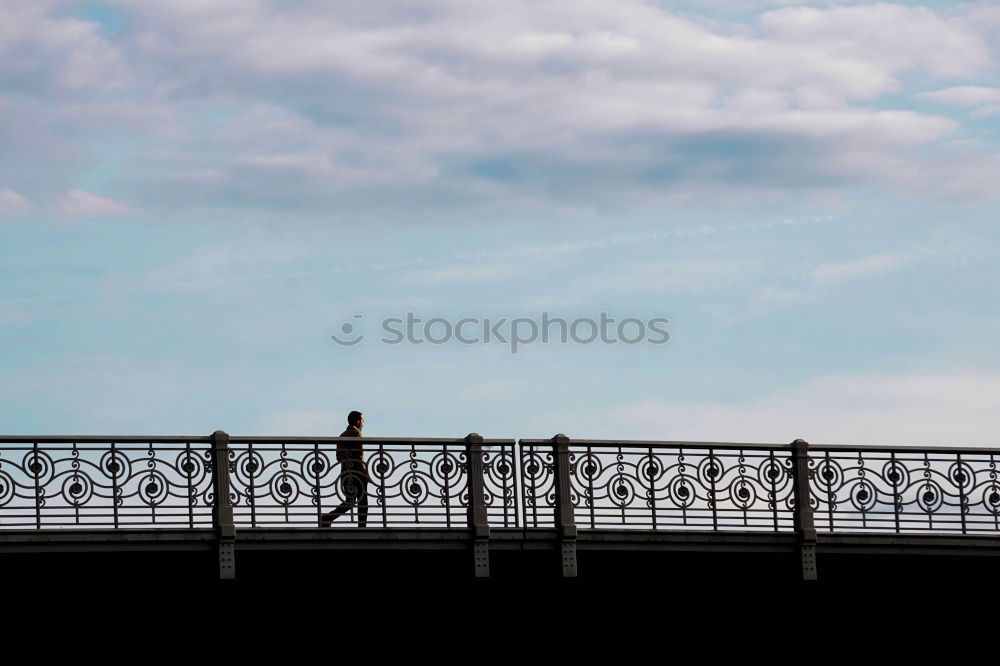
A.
pixel 349 485
pixel 363 504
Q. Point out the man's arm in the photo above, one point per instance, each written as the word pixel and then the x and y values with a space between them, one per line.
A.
pixel 347 451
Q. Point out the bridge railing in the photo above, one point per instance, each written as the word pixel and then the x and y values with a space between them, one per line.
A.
pixel 905 490
pixel 169 482
pixel 296 481
pixel 662 485
pixel 723 486
pixel 93 482
pixel 101 482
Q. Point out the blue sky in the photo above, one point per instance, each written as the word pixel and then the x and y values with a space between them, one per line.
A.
pixel 194 196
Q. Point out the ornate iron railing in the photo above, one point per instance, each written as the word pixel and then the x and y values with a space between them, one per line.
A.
pixel 723 486
pixel 663 485
pixel 407 482
pixel 905 490
pixel 142 482
pixel 116 482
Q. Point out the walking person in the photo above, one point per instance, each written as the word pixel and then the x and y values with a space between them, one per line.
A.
pixel 353 474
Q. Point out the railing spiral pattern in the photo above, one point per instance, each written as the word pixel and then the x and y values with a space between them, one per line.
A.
pixel 538 484
pixel 122 483
pixel 905 491
pixel 500 485
pixel 651 487
pixel 164 482
pixel 295 483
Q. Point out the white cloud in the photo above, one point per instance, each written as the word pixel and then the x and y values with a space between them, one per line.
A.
pixel 77 204
pixel 984 17
pixel 925 408
pixel 985 100
pixel 954 171
pixel 426 87
pixel 271 103
pixel 39 50
pixel 307 162
pixel 12 202
pixel 887 36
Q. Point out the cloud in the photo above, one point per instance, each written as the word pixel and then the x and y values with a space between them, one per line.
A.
pixel 984 17
pixel 392 106
pixel 984 100
pixel 12 202
pixel 77 204
pixel 583 99
pixel 886 36
pixel 925 408
pixel 305 162
pixel 43 53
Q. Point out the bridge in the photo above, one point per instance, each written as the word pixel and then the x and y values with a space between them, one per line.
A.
pixel 481 508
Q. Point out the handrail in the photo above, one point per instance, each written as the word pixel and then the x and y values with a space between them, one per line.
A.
pixel 765 446
pixel 472 484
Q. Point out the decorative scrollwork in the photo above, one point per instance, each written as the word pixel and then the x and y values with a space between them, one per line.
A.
pixel 906 491
pixel 39 466
pixel 991 499
pixel 109 484
pixel 169 482
pixel 538 485
pixel 314 465
pixel 651 470
pixel 154 488
pixel 284 488
pixel 930 497
pixel 77 490
pixel 500 486
pixel 691 488
pixel 293 483
pixel 115 465
pixel 8 488
pixel 681 491
pixel 742 494
pixel 446 469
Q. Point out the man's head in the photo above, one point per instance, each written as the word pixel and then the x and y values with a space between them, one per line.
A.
pixel 356 419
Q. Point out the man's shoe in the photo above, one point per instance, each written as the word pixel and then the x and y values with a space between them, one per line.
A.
pixel 325 521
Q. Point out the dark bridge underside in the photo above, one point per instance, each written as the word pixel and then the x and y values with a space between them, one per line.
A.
pixel 375 557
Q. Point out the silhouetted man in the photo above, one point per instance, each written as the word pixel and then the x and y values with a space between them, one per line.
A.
pixel 353 474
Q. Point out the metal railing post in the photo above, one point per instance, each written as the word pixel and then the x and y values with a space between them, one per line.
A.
pixel 564 516
pixel 478 522
pixel 222 508
pixel 805 527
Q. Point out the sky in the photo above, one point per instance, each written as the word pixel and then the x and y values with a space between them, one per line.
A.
pixel 195 196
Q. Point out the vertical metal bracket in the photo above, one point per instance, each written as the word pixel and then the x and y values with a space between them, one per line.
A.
pixel 478 522
pixel 227 560
pixel 805 527
pixel 564 516
pixel 808 561
pixel 222 508
pixel 481 553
